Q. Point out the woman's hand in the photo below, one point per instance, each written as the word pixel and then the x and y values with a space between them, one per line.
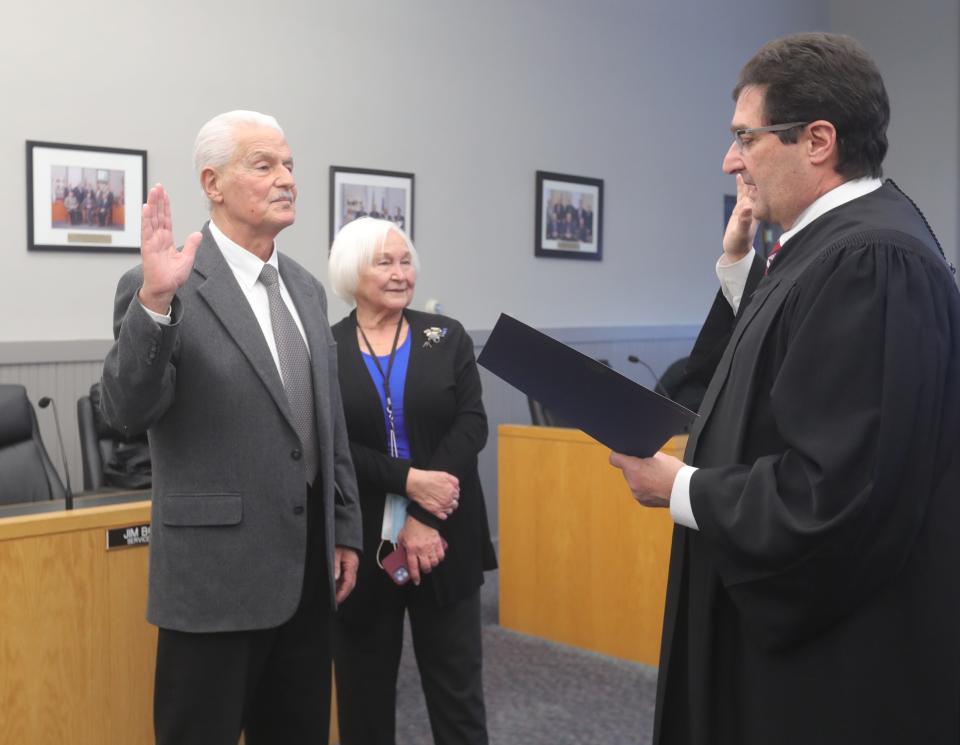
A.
pixel 438 492
pixel 423 545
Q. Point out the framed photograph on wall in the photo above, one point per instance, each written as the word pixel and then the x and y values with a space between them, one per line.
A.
pixel 83 198
pixel 359 192
pixel 569 217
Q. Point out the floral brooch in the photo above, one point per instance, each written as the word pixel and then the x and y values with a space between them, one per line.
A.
pixel 434 335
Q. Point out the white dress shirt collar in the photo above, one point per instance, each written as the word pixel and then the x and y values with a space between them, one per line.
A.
pixel 245 265
pixel 846 192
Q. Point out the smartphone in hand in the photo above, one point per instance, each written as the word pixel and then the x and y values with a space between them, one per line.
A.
pixel 395 564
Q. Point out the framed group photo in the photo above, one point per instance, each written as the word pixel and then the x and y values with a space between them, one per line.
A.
pixel 569 222
pixel 360 192
pixel 84 198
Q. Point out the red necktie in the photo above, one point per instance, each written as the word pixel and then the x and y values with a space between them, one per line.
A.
pixel 774 250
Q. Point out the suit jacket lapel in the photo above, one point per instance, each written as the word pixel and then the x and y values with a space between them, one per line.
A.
pixel 225 298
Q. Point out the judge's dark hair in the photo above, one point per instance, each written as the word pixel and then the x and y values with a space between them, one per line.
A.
pixel 824 76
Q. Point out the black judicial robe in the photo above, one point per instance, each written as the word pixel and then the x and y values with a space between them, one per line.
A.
pixel 713 338
pixel 819 602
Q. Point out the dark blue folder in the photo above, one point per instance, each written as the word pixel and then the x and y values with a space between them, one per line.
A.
pixel 581 392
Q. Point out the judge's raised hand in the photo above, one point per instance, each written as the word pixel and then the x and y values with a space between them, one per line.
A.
pixel 164 267
pixel 650 479
pixel 742 227
pixel 438 492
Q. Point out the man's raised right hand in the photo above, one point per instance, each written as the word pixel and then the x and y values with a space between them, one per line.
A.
pixel 164 267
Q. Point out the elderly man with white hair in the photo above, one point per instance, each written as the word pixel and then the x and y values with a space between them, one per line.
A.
pixel 224 355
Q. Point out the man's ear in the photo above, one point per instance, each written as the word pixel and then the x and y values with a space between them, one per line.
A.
pixel 211 181
pixel 821 142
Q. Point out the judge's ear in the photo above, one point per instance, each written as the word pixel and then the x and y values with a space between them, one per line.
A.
pixel 821 142
pixel 212 183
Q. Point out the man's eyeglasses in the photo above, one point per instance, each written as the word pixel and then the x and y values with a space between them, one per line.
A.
pixel 739 134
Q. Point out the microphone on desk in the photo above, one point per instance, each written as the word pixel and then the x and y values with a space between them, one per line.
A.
pixel 44 403
pixel 633 358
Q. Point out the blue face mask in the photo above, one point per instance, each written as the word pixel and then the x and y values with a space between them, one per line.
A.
pixel 394 515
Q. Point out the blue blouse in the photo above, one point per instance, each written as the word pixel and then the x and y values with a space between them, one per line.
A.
pixel 398 377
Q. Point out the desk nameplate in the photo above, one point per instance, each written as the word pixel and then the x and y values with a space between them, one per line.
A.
pixel 129 536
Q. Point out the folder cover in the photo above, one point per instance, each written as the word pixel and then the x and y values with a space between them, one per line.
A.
pixel 582 392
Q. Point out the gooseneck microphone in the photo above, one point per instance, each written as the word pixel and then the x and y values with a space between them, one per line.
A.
pixel 636 360
pixel 44 403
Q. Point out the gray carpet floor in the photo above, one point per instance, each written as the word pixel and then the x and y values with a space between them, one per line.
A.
pixel 538 692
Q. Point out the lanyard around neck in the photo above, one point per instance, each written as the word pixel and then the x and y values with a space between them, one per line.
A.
pixel 385 377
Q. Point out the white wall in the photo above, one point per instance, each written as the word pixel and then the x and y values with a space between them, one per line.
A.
pixel 917 47
pixel 472 97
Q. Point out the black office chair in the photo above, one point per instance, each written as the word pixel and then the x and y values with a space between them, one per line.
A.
pixel 110 460
pixel 541 416
pixel 676 385
pixel 26 473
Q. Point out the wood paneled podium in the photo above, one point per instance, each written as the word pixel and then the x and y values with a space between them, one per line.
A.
pixel 76 653
pixel 580 561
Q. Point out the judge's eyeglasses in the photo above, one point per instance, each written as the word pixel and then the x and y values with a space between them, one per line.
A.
pixel 739 134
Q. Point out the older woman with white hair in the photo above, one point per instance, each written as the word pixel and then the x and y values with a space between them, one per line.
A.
pixel 415 419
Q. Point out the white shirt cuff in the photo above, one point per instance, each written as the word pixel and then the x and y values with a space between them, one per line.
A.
pixel 680 509
pixel 733 278
pixel 163 320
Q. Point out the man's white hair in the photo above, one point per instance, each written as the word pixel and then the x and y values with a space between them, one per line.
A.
pixel 216 141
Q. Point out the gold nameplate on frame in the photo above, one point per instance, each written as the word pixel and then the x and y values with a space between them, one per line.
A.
pixel 89 238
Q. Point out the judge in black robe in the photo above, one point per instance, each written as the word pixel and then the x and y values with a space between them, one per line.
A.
pixel 816 602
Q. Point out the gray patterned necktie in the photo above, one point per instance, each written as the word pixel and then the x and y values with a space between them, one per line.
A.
pixel 294 369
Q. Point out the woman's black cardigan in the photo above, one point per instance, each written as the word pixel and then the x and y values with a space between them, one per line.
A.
pixel 446 428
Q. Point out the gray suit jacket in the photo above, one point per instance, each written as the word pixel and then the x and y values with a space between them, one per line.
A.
pixel 228 537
